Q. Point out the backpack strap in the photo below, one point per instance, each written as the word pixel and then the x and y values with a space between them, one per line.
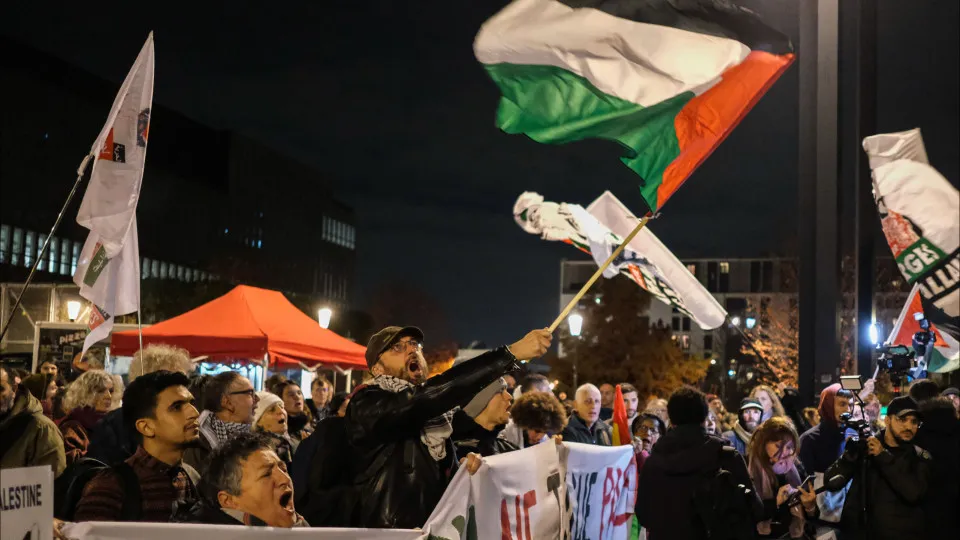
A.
pixel 14 429
pixel 132 509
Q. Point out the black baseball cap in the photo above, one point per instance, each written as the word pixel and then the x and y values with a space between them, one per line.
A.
pixel 952 391
pixel 903 406
pixel 383 339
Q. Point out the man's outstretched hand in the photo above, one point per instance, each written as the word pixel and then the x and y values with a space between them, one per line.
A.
pixel 533 345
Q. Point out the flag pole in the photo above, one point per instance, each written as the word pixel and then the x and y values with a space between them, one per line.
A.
pixel 140 335
pixel 80 170
pixel 596 275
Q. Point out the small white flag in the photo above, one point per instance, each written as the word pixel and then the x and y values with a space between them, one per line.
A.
pixel 600 230
pixel 108 271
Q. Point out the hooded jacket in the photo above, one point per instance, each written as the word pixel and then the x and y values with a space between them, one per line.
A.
pixel 391 467
pixel 39 441
pixel 896 483
pixel 822 445
pixel 670 476
pixel 940 436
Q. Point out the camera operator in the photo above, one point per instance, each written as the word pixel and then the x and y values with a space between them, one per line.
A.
pixel 890 478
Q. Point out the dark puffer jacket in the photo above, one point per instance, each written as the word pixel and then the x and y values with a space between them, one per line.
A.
pixel 896 483
pixel 400 481
pixel 671 475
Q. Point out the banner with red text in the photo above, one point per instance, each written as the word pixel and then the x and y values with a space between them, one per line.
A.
pixel 532 495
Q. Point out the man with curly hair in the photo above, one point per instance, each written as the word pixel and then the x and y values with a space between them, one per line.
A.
pixel 538 416
pixel 110 441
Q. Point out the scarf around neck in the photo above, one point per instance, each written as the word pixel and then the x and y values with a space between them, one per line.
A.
pixel 436 431
pixel 742 433
pixel 225 431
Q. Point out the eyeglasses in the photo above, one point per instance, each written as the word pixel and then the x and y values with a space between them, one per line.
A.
pixel 251 392
pixel 401 346
pixel 648 430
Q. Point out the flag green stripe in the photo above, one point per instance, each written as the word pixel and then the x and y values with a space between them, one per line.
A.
pixel 553 105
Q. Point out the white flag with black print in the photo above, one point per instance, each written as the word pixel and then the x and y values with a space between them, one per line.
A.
pixel 108 271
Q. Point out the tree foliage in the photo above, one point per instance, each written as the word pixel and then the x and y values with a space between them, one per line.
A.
pixel 618 345
pixel 776 338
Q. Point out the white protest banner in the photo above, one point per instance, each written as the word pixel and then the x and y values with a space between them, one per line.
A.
pixel 602 490
pixel 180 531
pixel 26 503
pixel 514 496
pixel 520 496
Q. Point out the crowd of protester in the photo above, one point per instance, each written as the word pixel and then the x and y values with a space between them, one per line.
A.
pixel 174 446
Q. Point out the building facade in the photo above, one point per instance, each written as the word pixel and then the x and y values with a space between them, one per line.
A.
pixel 756 293
pixel 215 206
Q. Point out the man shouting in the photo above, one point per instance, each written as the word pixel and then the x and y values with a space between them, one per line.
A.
pixel 399 424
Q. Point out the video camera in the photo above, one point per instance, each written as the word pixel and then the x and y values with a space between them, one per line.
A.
pixel 900 361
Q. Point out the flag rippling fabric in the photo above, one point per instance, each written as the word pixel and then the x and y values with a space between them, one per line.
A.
pixel 667 79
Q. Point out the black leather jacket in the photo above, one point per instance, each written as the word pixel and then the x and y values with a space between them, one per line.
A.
pixel 398 481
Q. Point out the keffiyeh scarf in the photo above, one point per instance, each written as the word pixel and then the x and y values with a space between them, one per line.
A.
pixel 226 431
pixel 436 431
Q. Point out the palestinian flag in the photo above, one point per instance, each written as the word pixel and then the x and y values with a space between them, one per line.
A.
pixel 621 429
pixel 945 356
pixel 667 79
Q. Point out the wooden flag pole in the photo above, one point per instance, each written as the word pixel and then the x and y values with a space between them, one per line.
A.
pixel 596 275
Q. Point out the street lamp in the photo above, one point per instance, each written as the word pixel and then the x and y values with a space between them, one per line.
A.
pixel 735 321
pixel 575 320
pixel 73 310
pixel 323 316
pixel 575 323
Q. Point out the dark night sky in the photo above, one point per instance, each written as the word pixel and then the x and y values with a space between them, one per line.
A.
pixel 387 100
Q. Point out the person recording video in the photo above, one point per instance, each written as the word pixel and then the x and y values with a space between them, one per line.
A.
pixel 890 478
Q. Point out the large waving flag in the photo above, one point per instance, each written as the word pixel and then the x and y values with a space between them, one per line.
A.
pixel 920 214
pixel 645 260
pixel 108 271
pixel 667 79
pixel 946 351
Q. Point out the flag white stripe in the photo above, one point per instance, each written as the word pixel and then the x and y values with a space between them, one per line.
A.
pixel 633 61
pixel 613 214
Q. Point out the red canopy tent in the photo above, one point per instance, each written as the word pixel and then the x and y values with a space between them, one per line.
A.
pixel 248 322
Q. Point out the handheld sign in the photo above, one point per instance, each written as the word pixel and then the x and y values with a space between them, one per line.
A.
pixel 26 504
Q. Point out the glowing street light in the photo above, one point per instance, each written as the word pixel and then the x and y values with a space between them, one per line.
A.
pixel 73 310
pixel 575 321
pixel 751 322
pixel 735 321
pixel 323 316
pixel 713 361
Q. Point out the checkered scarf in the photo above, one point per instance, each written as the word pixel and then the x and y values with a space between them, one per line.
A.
pixel 436 431
pixel 226 430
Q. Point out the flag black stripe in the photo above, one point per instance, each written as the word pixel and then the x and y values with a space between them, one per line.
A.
pixel 720 18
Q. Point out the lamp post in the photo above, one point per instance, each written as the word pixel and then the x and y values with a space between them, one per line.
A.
pixel 73 310
pixel 323 317
pixel 575 323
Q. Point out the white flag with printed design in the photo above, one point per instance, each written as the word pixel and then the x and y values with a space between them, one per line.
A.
pixel 108 271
